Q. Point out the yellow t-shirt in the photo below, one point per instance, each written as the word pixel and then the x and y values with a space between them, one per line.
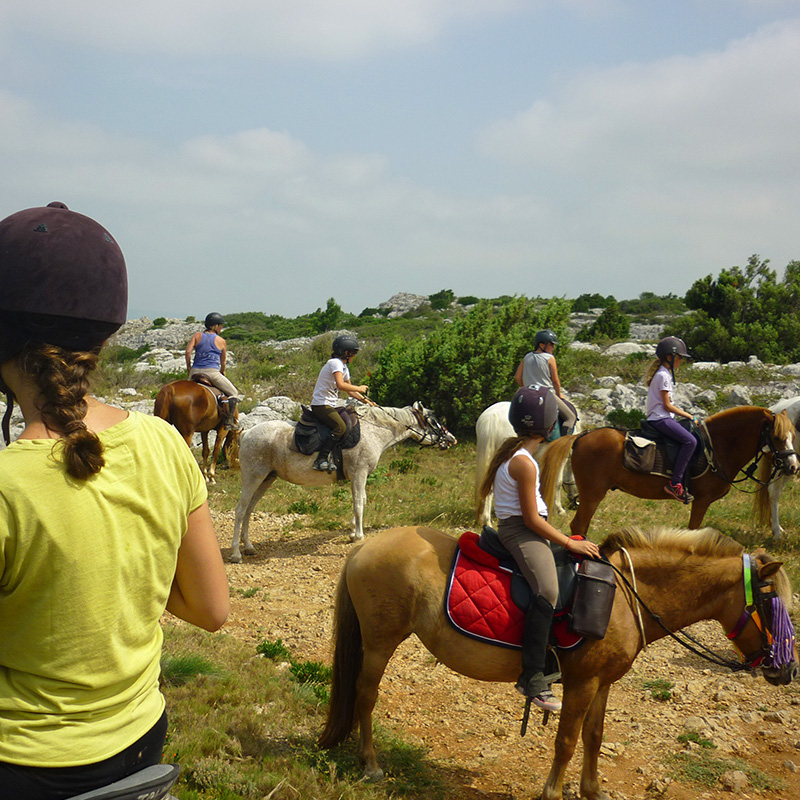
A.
pixel 85 572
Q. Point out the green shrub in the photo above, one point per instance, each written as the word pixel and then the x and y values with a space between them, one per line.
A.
pixel 159 322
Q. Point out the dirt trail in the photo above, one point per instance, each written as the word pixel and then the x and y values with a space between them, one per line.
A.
pixel 473 727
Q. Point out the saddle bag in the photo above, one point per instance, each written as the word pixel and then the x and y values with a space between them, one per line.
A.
pixel 594 598
pixel 639 454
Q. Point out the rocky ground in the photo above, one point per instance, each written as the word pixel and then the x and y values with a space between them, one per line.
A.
pixel 471 729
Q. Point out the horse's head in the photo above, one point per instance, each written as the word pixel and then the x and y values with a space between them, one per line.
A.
pixel 782 444
pixel 432 432
pixel 769 642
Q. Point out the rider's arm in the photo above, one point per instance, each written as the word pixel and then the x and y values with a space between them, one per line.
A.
pixel 190 349
pixel 518 373
pixel 524 472
pixel 554 376
pixel 223 348
pixel 200 593
pixel 671 407
pixel 359 392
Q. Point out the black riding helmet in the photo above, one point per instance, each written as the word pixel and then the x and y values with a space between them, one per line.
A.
pixel 63 281
pixel 342 345
pixel 213 319
pixel 545 337
pixel 671 346
pixel 533 411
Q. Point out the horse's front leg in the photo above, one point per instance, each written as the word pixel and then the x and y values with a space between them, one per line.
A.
pixel 212 469
pixel 592 739
pixel 576 701
pixel 358 488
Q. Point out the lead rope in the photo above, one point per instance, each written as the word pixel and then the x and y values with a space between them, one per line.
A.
pixel 636 595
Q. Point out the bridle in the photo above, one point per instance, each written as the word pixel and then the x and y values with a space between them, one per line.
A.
pixel 777 641
pixel 777 645
pixel 431 431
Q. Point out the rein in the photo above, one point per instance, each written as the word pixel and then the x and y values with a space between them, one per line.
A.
pixel 754 609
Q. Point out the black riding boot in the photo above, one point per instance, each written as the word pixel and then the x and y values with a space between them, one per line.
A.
pixel 231 423
pixel 322 463
pixel 532 681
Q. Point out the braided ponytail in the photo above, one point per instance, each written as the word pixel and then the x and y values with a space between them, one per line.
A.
pixel 62 377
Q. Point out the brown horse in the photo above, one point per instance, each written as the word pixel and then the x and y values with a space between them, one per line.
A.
pixel 193 408
pixel 394 584
pixel 737 436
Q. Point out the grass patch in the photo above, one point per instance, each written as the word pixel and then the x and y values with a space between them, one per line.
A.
pixel 179 669
pixel 701 767
pixel 250 732
pixel 660 689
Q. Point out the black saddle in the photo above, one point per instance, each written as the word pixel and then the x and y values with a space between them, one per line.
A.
pixel 310 434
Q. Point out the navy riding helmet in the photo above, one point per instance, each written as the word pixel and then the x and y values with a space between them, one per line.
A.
pixel 533 411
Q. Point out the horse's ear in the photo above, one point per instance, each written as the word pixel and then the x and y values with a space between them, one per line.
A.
pixel 417 406
pixel 768 570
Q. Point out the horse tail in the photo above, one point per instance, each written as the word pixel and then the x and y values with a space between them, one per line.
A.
pixel 761 498
pixel 232 453
pixel 348 655
pixel 552 467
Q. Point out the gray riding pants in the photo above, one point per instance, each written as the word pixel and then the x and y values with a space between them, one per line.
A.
pixel 533 556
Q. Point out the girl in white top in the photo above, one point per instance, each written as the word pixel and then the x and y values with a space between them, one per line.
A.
pixel 513 475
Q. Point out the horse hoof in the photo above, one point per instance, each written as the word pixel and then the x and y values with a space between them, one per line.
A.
pixel 375 774
pixel 235 559
pixel 354 537
pixel 249 551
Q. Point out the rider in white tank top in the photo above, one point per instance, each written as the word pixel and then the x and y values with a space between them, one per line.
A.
pixel 506 491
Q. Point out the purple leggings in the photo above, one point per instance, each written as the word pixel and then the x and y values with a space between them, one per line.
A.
pixel 672 428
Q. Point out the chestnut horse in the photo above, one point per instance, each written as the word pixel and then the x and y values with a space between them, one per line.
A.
pixel 394 585
pixel 193 408
pixel 737 435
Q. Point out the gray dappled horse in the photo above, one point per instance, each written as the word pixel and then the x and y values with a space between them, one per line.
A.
pixel 267 452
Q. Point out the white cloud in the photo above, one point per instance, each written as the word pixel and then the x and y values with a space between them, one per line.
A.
pixel 316 29
pixel 729 112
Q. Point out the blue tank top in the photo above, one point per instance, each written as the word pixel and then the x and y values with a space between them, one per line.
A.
pixel 207 354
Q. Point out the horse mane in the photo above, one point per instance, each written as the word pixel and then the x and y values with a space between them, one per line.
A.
pixel 378 415
pixel 702 542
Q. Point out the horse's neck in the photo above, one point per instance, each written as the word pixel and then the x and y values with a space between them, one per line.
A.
pixel 683 589
pixel 734 437
pixel 392 425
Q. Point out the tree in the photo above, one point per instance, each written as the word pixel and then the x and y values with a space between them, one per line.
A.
pixel 442 299
pixel 611 324
pixel 744 312
pixel 462 368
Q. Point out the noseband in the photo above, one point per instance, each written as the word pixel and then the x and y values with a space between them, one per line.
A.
pixel 777 643
pixel 766 444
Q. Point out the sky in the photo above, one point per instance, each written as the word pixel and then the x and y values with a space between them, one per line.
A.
pixel 266 155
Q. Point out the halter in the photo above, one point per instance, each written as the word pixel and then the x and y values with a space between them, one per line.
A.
pixel 777 645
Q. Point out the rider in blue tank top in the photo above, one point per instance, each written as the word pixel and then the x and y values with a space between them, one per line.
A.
pixel 210 355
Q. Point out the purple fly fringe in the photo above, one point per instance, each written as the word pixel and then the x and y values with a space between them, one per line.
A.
pixel 782 651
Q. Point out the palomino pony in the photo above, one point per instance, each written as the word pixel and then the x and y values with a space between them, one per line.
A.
pixel 192 408
pixel 491 430
pixel 268 452
pixel 765 500
pixel 394 585
pixel 737 435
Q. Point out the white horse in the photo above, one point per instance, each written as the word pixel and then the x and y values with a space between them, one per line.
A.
pixel 766 505
pixel 491 430
pixel 267 452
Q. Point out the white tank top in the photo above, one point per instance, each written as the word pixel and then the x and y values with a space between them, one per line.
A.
pixel 506 490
